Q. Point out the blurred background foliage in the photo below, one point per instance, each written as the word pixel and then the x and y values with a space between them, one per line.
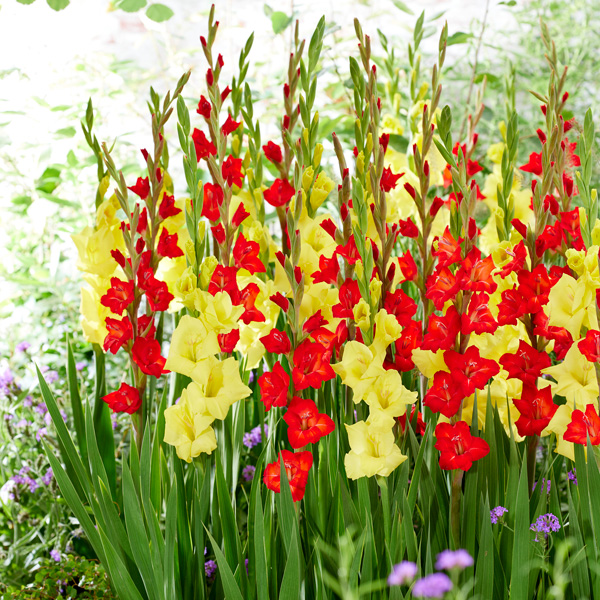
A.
pixel 113 52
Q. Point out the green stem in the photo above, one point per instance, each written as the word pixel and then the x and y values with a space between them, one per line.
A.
pixel 455 506
pixel 531 452
pixel 385 505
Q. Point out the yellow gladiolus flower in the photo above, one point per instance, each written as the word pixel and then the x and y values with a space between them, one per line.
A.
pixel 568 302
pixel 321 189
pixel 93 316
pixel 359 368
pixel 373 450
pixel 576 379
pixel 217 312
pixel 387 330
pixel 188 428
pixel 94 250
pixel 362 314
pixel 388 396
pixel 192 342
pixel 218 384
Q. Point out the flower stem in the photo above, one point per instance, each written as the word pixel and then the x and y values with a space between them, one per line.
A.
pixel 455 506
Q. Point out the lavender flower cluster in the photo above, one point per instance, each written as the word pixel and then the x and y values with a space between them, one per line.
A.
pixel 23 478
pixel 254 436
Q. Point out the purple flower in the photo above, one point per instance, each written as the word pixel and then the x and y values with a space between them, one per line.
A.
pixel 248 472
pixel 432 586
pixel 251 377
pixel 210 567
pixel 28 402
pixel 23 346
pixel 22 423
pixel 114 419
pixel 42 432
pixel 254 437
pixel 47 478
pixel 545 524
pixel 496 513
pixel 572 476
pixel 453 559
pixel 55 555
pixel 545 484
pixel 402 573
pixel 80 366
pixel 6 381
pixel 246 563
pixel 41 409
pixel 51 377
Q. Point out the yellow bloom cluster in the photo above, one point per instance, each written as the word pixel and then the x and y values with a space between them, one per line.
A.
pixel 373 450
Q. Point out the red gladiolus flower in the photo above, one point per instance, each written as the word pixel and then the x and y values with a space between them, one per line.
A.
pixel 535 287
pixel 420 424
pixel 470 370
pixel 582 425
pixel 511 307
pixel 315 322
pixel 446 249
pixel 401 305
pixel 441 287
pixel 389 180
pixel 245 255
pixel 277 342
pixel 213 198
pixel 526 364
pixel 590 346
pixel 141 188
pixel 534 165
pixel 157 292
pixel 280 300
pixel 120 332
pixel 224 279
pixel 519 254
pixel 167 245
pixel 349 251
pixel 204 108
pixel 475 273
pixel 349 297
pixel 311 365
pixel 550 239
pixel 404 346
pixel 167 207
pixel 248 298
pixel 563 340
pixel 328 270
pixel 306 425
pixel 407 265
pixel 478 318
pixel 125 399
pixel 408 228
pixel 458 448
pixel 442 331
pixel 536 408
pixel 204 147
pixel 118 296
pixel 146 326
pixel 329 226
pixel 240 215
pixel 273 153
pixel 232 171
pixel 230 125
pixel 218 232
pixel 444 396
pixel 280 193
pixel 146 355
pixel 274 387
pixel 297 465
pixel 228 341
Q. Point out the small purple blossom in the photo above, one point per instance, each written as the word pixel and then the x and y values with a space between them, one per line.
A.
pixel 453 559
pixel 51 377
pixel 81 365
pixel 42 432
pixel 6 381
pixel 22 423
pixel 545 484
pixel 248 472
pixel 55 555
pixel 210 567
pixel 48 476
pixel 254 437
pixel 28 402
pixel 402 573
pixel 114 420
pixel 251 377
pixel 246 563
pixel 572 476
pixel 497 513
pixel 545 524
pixel 432 586
pixel 23 346
pixel 41 409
